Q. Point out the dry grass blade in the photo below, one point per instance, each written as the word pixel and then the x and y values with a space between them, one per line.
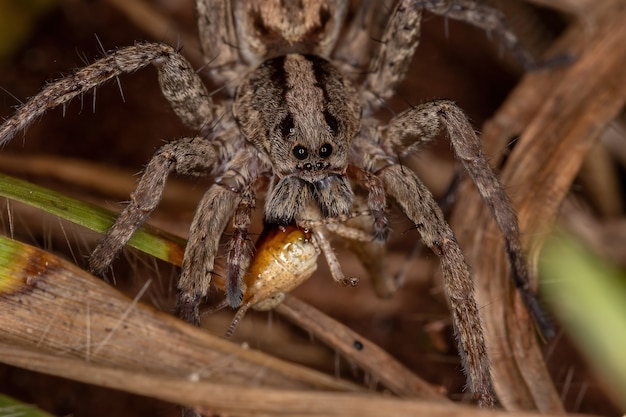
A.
pixel 559 114
pixel 51 306
pixel 233 400
pixel 366 354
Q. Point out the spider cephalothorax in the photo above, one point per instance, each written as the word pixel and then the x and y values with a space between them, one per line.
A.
pixel 301 113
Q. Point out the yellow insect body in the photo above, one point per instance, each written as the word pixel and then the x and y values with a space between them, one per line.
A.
pixel 285 259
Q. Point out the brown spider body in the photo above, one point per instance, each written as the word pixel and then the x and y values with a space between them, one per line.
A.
pixel 300 114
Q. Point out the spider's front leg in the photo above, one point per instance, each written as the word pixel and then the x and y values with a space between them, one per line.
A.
pixel 189 99
pixel 485 17
pixel 239 248
pixel 179 84
pixel 422 124
pixel 219 204
pixel 403 186
pixel 493 20
pixel 420 206
pixel 190 156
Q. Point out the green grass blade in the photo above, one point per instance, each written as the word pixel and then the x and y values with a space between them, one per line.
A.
pixel 589 296
pixel 147 239
pixel 10 407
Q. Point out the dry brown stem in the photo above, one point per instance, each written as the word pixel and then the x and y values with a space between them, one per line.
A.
pixel 359 350
pixel 237 400
pixel 558 115
pixel 56 309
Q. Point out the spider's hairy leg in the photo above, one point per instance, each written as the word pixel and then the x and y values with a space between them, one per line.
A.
pixel 184 90
pixel 423 123
pixel 365 27
pixel 376 201
pixel 188 156
pixel 485 17
pixel 419 205
pixel 396 50
pixel 217 206
pixel 322 240
pixel 402 35
pixel 210 220
pixel 194 108
pixel 357 235
pixel 239 247
pixel 218 38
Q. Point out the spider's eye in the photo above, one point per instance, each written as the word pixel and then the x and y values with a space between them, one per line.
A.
pixel 325 150
pixel 300 152
pixel 286 125
pixel 331 121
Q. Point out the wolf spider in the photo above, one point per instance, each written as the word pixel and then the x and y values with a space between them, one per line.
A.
pixel 299 125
